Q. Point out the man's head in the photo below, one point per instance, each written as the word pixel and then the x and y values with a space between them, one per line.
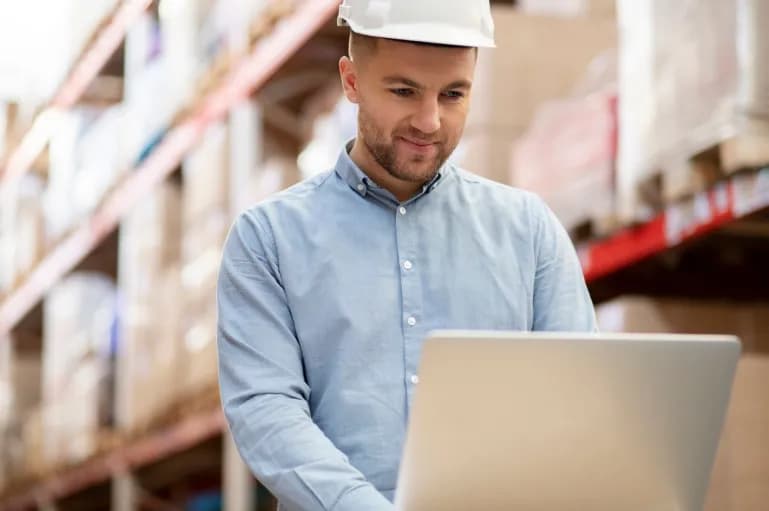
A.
pixel 413 101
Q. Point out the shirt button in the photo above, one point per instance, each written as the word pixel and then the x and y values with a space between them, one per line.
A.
pixel 361 188
pixel 414 379
pixel 402 210
pixel 412 321
pixel 407 265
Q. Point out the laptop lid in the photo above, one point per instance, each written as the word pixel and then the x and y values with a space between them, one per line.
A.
pixel 528 421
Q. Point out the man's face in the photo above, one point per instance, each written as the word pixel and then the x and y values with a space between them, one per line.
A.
pixel 413 101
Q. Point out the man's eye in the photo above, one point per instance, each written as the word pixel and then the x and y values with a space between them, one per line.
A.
pixel 404 93
pixel 454 94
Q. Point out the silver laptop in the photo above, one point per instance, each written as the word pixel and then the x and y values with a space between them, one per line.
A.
pixel 565 422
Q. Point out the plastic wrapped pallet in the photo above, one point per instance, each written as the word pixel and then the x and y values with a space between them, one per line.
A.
pixel 79 321
pixel 570 150
pixel 741 471
pixel 85 165
pixel 687 77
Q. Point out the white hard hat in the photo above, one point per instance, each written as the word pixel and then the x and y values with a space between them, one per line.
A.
pixel 451 22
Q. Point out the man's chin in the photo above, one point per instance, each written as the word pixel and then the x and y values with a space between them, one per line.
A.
pixel 415 175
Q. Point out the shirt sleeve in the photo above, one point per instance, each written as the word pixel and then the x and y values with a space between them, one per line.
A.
pixel 561 299
pixel 264 393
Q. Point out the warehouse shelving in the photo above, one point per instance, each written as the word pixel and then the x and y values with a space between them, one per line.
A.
pixel 104 43
pixel 128 456
pixel 266 58
pixel 710 245
pixel 737 198
pixel 734 199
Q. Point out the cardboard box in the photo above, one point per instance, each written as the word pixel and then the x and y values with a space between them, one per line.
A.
pixel 149 363
pixel 201 257
pixel 151 359
pixel 537 58
pixel 20 395
pixel 638 314
pixel 150 242
pixel 740 478
pixel 205 176
pixel 568 154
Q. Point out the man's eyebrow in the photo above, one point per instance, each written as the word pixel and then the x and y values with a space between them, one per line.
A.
pixel 459 84
pixel 392 80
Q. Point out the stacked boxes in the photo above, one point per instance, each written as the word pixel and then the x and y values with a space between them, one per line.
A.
pixel 150 285
pixel 537 58
pixel 569 154
pixel 206 219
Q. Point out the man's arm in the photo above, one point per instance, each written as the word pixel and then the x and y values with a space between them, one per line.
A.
pixel 263 389
pixel 561 300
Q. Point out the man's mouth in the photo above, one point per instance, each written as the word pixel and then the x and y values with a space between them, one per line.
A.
pixel 418 145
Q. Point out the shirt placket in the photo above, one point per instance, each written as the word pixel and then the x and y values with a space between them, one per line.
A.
pixel 412 310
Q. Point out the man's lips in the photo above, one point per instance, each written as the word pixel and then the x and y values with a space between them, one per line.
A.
pixel 418 144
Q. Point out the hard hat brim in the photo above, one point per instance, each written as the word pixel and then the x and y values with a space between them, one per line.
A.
pixel 429 33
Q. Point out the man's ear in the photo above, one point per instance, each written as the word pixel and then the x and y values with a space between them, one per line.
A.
pixel 349 75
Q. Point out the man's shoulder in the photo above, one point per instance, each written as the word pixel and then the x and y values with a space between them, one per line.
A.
pixel 494 193
pixel 299 195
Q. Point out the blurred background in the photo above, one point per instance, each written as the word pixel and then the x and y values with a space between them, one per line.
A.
pixel 133 131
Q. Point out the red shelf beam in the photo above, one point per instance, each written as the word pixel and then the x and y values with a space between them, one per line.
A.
pixel 271 53
pixel 735 198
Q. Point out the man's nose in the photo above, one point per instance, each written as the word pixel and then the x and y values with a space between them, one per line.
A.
pixel 428 118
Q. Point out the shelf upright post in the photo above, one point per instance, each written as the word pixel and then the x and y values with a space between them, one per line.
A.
pixel 238 485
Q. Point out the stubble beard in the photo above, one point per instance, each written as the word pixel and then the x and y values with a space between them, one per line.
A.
pixel 385 154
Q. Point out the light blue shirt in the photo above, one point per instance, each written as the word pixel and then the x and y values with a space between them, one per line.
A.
pixel 326 292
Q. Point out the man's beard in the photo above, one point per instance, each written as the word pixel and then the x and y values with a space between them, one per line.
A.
pixel 385 153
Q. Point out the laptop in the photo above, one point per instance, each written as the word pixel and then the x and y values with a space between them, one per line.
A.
pixel 565 422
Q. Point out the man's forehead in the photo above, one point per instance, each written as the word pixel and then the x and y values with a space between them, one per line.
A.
pixel 452 66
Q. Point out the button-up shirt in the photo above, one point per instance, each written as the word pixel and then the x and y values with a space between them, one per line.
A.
pixel 326 293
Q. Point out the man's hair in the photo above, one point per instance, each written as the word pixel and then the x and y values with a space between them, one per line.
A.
pixel 360 46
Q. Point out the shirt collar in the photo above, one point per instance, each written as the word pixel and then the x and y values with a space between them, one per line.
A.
pixel 362 184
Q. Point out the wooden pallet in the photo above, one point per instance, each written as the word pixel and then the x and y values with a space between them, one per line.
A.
pixel 701 171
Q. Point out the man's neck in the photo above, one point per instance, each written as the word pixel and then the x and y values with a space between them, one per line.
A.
pixel 402 190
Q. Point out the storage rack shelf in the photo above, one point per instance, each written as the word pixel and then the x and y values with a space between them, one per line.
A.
pixel 266 58
pixel 128 456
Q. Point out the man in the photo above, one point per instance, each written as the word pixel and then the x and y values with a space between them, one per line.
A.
pixel 328 289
